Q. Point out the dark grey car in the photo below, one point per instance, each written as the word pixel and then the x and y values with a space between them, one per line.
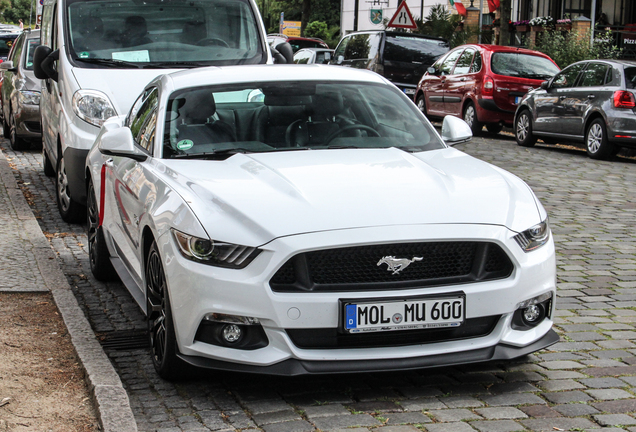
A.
pixel 592 101
pixel 21 93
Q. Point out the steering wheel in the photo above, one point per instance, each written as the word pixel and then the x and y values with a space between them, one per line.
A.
pixel 351 127
pixel 212 41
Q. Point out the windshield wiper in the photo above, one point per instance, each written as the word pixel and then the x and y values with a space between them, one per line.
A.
pixel 175 65
pixel 232 151
pixel 109 62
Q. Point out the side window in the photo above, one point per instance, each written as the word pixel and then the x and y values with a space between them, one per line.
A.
pixel 449 62
pixel 567 77
pixel 594 75
pixel 476 66
pixel 359 47
pixel 143 118
pixel 464 62
pixel 340 51
pixel 16 50
pixel 303 58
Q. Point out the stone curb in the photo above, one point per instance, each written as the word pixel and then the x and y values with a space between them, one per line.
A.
pixel 110 398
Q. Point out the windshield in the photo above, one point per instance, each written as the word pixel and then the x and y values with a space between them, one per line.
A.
pixel 285 116
pixel 109 33
pixel 414 49
pixel 630 77
pixel 31 45
pixel 522 65
pixel 6 42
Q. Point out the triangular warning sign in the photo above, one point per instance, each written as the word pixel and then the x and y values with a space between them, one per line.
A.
pixel 403 18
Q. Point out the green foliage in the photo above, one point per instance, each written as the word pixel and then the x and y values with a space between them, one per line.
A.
pixel 570 47
pixel 441 23
pixel 327 11
pixel 18 9
pixel 320 30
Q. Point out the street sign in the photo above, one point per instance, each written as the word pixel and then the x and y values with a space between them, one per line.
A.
pixel 402 18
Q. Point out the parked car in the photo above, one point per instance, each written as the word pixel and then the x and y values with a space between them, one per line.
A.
pixel 8 35
pixel 311 220
pixel 20 94
pixel 313 56
pixel 109 50
pixel 296 42
pixel 592 101
pixel 402 58
pixel 482 84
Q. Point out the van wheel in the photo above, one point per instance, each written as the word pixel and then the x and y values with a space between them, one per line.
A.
pixel 49 171
pixel 596 142
pixel 16 142
pixel 69 210
pixel 470 117
pixel 421 104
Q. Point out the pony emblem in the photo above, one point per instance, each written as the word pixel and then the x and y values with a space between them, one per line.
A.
pixel 396 265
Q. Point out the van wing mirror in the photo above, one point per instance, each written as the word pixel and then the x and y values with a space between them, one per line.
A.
pixel 120 142
pixel 545 85
pixel 431 70
pixel 283 53
pixel 43 58
pixel 340 59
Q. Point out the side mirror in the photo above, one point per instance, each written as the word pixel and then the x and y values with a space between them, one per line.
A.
pixel 7 65
pixel 43 58
pixel 431 70
pixel 340 59
pixel 120 142
pixel 545 85
pixel 283 53
pixel 455 130
pixel 327 56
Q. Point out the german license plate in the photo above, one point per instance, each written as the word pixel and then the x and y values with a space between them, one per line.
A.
pixel 409 91
pixel 518 99
pixel 404 314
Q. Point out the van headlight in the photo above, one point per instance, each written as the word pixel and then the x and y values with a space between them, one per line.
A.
pixel 534 237
pixel 28 97
pixel 92 106
pixel 214 253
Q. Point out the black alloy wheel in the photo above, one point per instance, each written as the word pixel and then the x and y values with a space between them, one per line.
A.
pixel 98 254
pixel 470 117
pixel 523 130
pixel 163 342
pixel 596 143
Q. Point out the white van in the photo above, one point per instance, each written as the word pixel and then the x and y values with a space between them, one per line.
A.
pixel 97 56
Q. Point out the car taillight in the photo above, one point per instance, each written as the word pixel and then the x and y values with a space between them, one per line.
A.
pixel 489 87
pixel 624 99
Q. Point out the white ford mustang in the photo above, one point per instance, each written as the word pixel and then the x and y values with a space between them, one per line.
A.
pixel 292 220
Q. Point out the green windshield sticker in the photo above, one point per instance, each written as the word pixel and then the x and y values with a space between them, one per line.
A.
pixel 185 144
pixel 84 54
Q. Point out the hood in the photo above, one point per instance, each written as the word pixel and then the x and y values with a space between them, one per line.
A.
pixel 259 197
pixel 122 86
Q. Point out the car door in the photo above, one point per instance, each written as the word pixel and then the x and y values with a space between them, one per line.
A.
pixel 457 83
pixel 435 87
pixel 9 80
pixel 590 92
pixel 131 187
pixel 554 110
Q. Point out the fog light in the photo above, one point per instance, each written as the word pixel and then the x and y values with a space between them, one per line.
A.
pixel 232 333
pixel 532 313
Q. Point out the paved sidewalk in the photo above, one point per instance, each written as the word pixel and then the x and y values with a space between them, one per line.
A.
pixel 29 264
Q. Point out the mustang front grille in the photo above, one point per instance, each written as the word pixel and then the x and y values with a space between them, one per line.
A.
pixel 392 266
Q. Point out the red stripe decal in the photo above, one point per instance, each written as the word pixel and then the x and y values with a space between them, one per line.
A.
pixel 102 195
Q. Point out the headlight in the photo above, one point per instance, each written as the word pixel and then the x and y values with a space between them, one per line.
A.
pixel 92 106
pixel 534 237
pixel 30 97
pixel 219 254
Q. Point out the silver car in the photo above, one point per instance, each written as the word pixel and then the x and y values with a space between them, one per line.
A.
pixel 21 93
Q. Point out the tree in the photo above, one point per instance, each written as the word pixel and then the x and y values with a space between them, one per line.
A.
pixel 19 10
pixel 505 7
pixel 441 23
pixel 327 11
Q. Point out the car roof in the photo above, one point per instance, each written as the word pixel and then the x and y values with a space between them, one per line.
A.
pixel 314 49
pixel 396 33
pixel 205 76
pixel 33 34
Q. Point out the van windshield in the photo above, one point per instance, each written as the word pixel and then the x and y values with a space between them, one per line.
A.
pixel 414 49
pixel 172 33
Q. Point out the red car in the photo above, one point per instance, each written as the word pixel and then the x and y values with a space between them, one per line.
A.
pixel 482 84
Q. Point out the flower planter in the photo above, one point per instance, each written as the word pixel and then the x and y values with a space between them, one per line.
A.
pixel 564 27
pixel 522 28
pixel 538 28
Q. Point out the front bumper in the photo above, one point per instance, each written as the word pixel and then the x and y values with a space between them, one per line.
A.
pixel 292 367
pixel 196 290
pixel 27 120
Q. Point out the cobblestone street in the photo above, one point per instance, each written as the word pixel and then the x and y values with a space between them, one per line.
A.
pixel 585 382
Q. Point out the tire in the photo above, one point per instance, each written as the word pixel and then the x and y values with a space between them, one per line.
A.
pixel 70 211
pixel 163 342
pixel 523 130
pixel 98 254
pixel 494 128
pixel 470 116
pixel 49 171
pixel 550 141
pixel 16 142
pixel 596 142
pixel 421 104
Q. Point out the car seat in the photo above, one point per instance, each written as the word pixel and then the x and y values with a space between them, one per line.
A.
pixel 198 122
